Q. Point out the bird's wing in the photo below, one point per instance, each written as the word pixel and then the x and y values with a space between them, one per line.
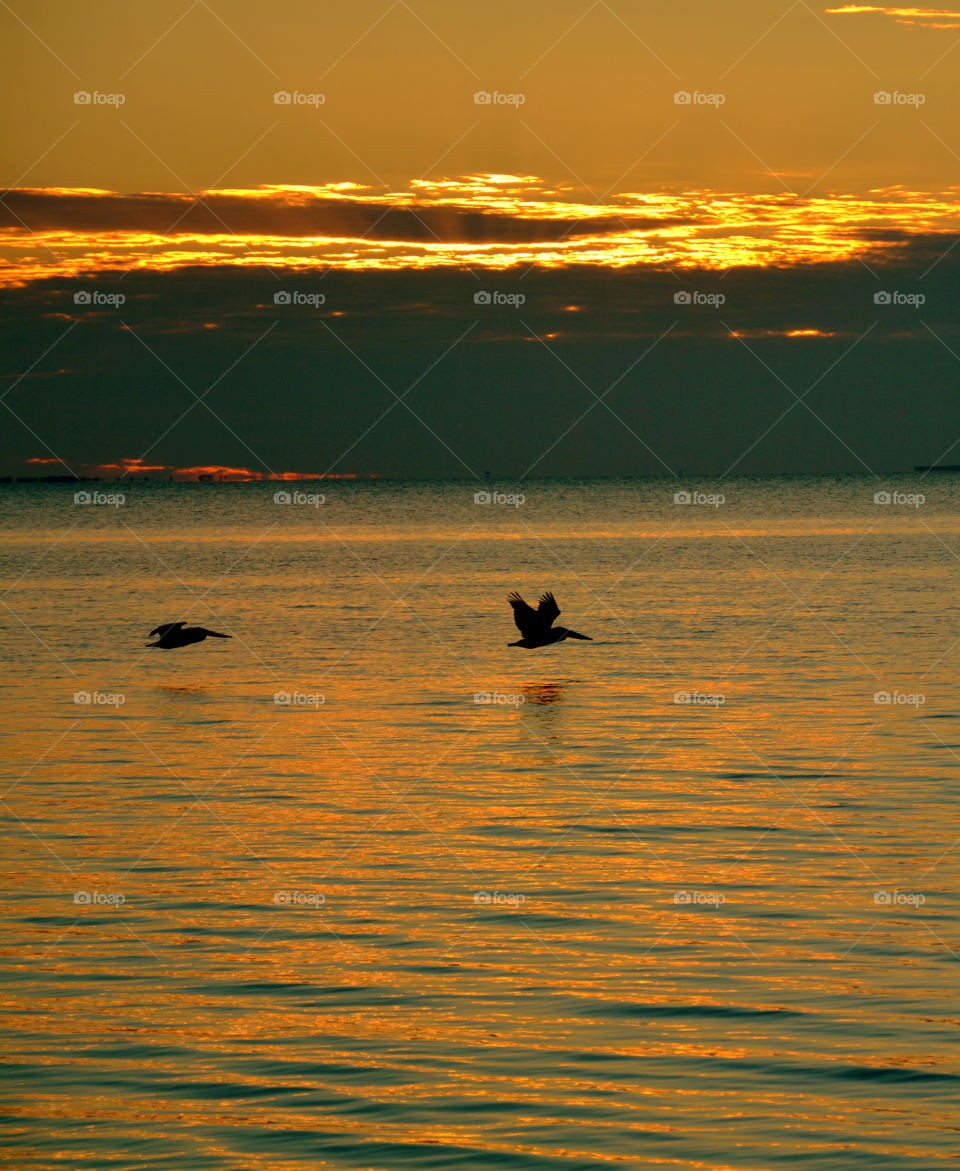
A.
pixel 548 610
pixel 524 616
pixel 162 630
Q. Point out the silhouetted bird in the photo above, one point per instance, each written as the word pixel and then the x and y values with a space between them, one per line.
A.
pixel 536 626
pixel 174 634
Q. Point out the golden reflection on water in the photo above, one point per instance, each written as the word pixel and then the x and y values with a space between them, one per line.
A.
pixel 586 925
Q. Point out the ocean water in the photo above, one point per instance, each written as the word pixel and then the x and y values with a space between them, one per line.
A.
pixel 683 896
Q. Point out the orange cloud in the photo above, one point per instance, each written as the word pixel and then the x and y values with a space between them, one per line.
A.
pixel 125 466
pixel 925 17
pixel 244 475
pixel 818 333
pixel 489 222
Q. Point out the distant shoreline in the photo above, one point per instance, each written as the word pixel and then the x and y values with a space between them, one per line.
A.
pixel 373 478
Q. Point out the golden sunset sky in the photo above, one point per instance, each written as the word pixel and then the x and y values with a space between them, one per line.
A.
pixel 613 111
pixel 672 144
pixel 596 82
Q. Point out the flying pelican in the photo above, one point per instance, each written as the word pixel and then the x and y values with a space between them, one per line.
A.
pixel 536 626
pixel 176 634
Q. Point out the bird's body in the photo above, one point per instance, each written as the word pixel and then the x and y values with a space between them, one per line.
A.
pixel 176 634
pixel 536 626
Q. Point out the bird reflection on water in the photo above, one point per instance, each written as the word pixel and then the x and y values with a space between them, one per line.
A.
pixel 544 692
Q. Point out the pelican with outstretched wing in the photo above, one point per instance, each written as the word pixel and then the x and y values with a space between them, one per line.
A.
pixel 536 626
pixel 177 634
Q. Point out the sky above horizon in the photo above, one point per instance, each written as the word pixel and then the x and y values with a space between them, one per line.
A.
pixel 394 209
pixel 382 92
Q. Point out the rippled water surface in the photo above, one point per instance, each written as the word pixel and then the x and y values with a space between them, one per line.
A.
pixel 683 896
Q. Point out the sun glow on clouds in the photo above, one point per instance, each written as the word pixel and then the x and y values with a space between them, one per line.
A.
pixel 477 221
pixel 758 333
pixel 925 17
